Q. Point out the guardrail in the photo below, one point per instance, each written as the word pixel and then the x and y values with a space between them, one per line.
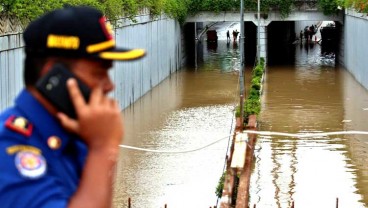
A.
pixel 9 25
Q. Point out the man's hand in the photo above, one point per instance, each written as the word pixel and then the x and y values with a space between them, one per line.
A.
pixel 99 122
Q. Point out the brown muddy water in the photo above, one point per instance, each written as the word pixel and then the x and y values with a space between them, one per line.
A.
pixel 189 110
pixel 312 96
pixel 194 107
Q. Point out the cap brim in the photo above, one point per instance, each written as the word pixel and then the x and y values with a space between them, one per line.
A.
pixel 122 54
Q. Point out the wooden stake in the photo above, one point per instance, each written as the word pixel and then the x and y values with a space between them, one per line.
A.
pixel 337 202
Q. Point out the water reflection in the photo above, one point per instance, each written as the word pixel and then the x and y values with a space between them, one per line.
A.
pixel 311 55
pixel 312 172
pixel 222 56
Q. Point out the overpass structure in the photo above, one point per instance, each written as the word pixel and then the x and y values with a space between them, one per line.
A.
pixel 265 18
pixel 305 12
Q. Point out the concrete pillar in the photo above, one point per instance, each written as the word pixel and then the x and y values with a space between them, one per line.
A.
pixel 341 48
pixel 263 41
pixel 263 37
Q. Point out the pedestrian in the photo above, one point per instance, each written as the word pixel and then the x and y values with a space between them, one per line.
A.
pixel 301 35
pixel 228 36
pixel 49 158
pixel 235 34
pixel 311 32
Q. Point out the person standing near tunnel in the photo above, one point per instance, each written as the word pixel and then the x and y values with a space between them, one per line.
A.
pixel 50 158
pixel 301 36
pixel 311 32
pixel 235 35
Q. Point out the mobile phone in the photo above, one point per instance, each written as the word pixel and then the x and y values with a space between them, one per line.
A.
pixel 53 87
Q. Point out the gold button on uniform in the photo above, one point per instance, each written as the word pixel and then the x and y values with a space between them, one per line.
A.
pixel 54 142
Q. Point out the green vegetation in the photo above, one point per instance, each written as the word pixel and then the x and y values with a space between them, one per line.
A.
pixel 358 5
pixel 283 6
pixel 220 185
pixel 30 9
pixel 177 9
pixel 329 6
pixel 252 105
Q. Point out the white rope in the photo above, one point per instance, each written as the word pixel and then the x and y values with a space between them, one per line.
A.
pixel 304 135
pixel 263 133
pixel 174 152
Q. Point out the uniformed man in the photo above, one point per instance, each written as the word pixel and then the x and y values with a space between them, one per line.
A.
pixel 49 159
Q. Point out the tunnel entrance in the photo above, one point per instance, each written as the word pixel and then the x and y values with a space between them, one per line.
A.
pixel 250 41
pixel 250 47
pixel 283 38
pixel 280 47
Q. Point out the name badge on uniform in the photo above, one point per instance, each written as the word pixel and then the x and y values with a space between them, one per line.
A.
pixel 30 164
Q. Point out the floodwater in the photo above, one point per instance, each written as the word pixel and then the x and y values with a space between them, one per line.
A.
pixel 189 110
pixel 194 108
pixel 312 96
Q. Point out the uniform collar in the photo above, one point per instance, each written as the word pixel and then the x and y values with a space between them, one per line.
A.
pixel 46 124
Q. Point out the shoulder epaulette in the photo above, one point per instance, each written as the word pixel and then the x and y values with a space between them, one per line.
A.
pixel 20 125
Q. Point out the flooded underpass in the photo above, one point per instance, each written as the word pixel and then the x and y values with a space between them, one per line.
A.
pixel 189 110
pixel 194 108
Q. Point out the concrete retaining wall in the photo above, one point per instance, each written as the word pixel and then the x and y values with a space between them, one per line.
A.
pixel 355 46
pixel 161 37
pixel 11 64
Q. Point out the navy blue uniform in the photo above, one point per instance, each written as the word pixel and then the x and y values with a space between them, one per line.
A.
pixel 41 163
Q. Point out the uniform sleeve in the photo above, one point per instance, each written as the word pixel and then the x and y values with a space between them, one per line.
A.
pixel 24 182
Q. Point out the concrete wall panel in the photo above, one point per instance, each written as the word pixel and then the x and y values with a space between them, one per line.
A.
pixel 160 37
pixel 355 47
pixel 11 63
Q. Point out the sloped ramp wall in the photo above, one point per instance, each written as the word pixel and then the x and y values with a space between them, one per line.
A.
pixel 161 37
pixel 355 46
pixel 11 64
pixel 162 41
